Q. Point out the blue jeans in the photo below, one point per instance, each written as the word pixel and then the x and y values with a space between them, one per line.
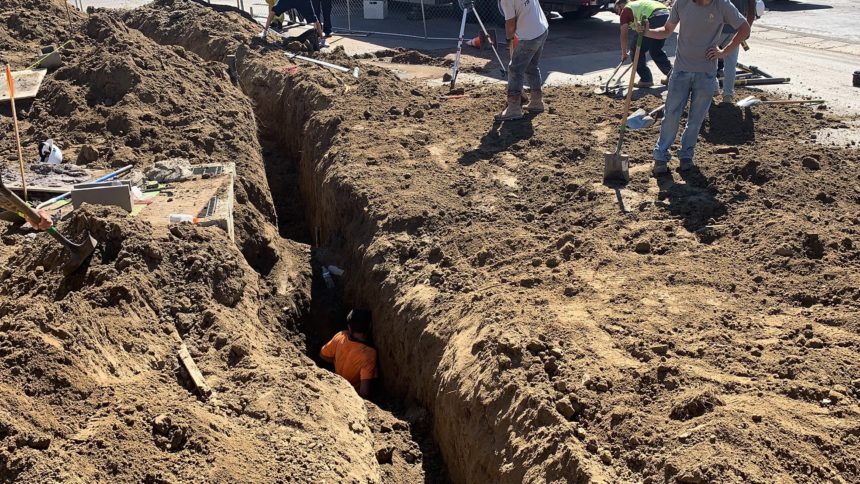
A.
pixel 696 87
pixel 730 68
pixel 524 62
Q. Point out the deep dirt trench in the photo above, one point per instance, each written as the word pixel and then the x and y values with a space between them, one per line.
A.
pixel 404 445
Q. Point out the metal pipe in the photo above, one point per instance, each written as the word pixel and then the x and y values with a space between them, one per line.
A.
pixel 370 32
pixel 423 19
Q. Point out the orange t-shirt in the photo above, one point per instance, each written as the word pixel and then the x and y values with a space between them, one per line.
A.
pixel 353 360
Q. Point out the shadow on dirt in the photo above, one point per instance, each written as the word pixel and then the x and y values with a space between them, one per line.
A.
pixel 691 199
pixel 729 125
pixel 500 137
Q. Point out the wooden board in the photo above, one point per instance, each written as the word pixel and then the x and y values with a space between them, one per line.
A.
pixel 27 84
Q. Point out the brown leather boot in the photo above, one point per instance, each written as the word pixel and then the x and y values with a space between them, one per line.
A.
pixel 536 103
pixel 514 110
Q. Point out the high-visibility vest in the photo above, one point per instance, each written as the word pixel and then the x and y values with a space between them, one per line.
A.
pixel 642 9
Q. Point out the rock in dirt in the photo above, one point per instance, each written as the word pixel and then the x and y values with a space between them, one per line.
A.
pixel 172 170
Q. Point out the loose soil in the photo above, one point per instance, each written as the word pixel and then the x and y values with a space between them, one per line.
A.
pixel 708 333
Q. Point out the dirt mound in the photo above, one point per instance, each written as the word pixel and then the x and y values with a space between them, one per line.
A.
pixel 93 388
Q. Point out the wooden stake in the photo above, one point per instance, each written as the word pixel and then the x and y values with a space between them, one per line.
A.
pixel 15 122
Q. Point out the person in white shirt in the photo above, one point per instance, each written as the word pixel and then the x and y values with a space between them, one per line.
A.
pixel 526 20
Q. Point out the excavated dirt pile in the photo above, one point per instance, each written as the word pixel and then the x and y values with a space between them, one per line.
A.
pixel 707 333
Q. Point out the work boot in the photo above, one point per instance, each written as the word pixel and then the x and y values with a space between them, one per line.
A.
pixel 514 109
pixel 728 99
pixel 686 165
pixel 660 168
pixel 644 84
pixel 536 103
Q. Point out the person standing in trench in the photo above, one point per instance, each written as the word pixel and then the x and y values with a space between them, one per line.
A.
pixel 352 353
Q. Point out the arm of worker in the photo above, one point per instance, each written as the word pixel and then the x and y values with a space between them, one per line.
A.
pixel 269 19
pixel 328 351
pixel 624 27
pixel 12 203
pixel 750 12
pixel 734 18
pixel 367 374
pixel 510 14
pixel 663 32
pixel 364 388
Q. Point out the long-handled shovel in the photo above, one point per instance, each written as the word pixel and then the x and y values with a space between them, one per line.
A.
pixel 751 101
pixel 78 253
pixel 616 166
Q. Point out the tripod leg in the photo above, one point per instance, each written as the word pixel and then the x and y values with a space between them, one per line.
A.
pixel 456 68
pixel 492 44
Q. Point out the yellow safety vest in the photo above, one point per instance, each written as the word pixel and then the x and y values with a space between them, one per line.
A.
pixel 642 9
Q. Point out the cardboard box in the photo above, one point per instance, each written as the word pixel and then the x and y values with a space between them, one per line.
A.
pixel 375 9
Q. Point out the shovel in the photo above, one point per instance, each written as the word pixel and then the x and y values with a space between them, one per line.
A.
pixel 751 101
pixel 616 166
pixel 642 119
pixel 605 89
pixel 78 253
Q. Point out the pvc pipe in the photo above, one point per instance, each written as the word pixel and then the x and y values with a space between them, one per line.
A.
pixel 100 179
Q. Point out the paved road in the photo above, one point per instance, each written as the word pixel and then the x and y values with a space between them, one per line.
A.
pixel 817 44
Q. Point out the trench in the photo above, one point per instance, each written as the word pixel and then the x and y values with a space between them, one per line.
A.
pixel 400 454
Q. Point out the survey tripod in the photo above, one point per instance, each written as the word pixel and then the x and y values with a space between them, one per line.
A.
pixel 469 5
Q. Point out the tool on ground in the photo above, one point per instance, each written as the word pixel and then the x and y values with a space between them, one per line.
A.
pixel 751 101
pixel 61 196
pixel 336 67
pixel 619 83
pixel 11 83
pixel 642 119
pixel 754 70
pixel 616 166
pixel 763 81
pixel 78 253
pixel 469 6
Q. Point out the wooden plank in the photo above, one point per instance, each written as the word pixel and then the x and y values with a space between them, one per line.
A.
pixel 192 369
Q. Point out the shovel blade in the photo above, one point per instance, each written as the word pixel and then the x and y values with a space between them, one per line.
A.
pixel 640 120
pixel 79 253
pixel 747 102
pixel 616 168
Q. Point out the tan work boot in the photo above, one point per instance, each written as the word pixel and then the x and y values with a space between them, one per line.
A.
pixel 536 103
pixel 514 110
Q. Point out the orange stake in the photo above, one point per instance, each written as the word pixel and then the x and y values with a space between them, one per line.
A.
pixel 15 122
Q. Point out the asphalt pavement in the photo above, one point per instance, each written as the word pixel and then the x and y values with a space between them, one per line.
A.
pixel 816 44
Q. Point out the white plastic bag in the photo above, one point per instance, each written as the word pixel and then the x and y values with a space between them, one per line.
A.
pixel 50 153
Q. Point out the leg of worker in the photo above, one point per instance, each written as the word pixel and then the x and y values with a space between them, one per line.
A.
pixel 642 68
pixel 702 95
pixel 534 78
pixel 730 72
pixel 679 93
pixel 533 69
pixel 520 60
pixel 326 17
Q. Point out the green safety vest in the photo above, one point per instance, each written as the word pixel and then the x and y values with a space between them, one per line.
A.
pixel 642 9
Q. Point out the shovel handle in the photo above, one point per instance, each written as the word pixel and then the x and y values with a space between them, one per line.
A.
pixel 805 101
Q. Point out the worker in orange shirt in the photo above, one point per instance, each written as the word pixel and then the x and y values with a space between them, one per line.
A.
pixel 351 352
